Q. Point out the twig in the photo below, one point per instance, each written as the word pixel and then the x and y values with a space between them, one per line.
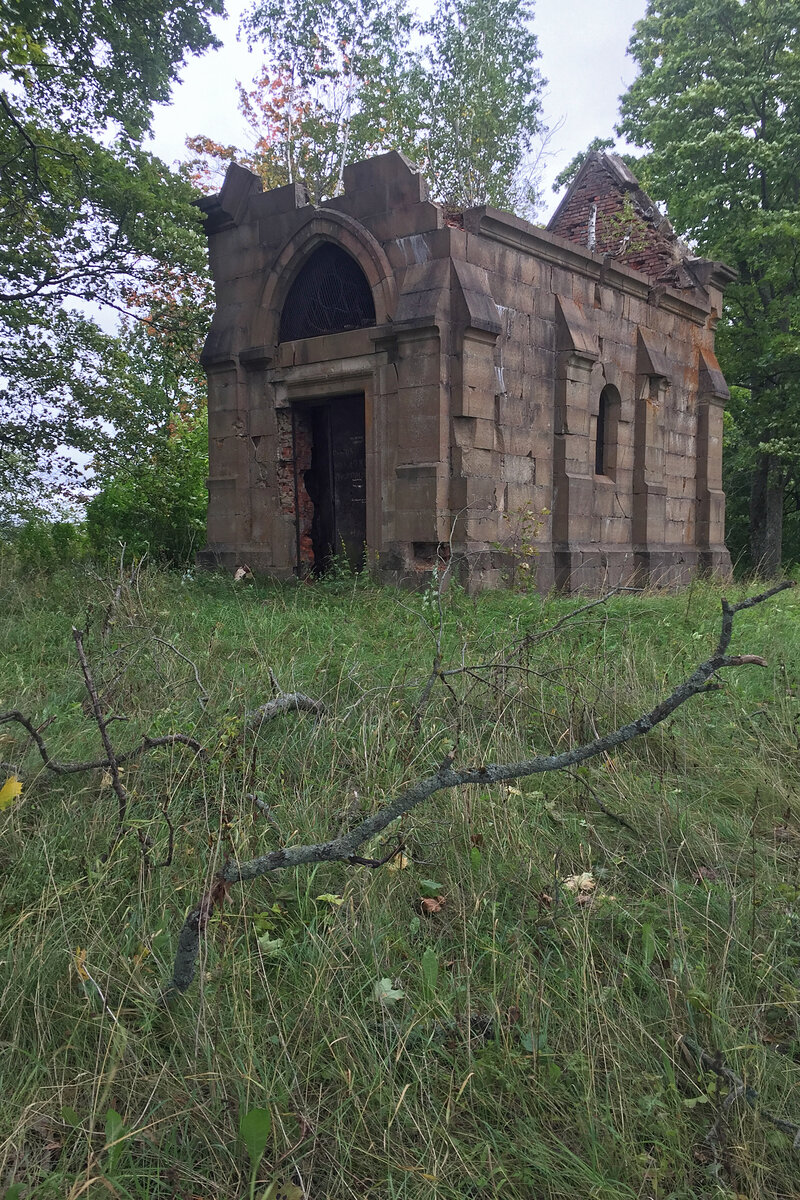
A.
pixel 738 1090
pixel 343 849
pixel 264 808
pixel 356 861
pixel 203 693
pixel 167 861
pixel 99 764
pixel 436 669
pixel 108 618
pixel 532 639
pixel 103 723
pixel 607 811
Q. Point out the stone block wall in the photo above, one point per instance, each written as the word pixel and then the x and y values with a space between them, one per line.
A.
pixel 495 345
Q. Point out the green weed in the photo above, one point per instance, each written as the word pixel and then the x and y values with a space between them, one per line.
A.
pixel 534 1048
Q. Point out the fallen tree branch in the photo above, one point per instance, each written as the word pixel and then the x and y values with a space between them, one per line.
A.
pixel 286 702
pixel 98 764
pixel 343 849
pixel 738 1090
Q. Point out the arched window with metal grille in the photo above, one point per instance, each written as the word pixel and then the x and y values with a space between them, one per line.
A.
pixel 330 295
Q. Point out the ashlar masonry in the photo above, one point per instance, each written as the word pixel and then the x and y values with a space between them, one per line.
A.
pixel 393 381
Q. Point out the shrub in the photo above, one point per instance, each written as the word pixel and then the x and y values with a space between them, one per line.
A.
pixel 157 506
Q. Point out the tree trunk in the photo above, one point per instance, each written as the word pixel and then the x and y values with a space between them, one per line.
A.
pixel 766 515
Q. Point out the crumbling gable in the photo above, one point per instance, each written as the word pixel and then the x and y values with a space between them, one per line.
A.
pixel 387 378
pixel 606 210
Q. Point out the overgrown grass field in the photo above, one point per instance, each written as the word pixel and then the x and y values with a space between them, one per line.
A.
pixel 535 1030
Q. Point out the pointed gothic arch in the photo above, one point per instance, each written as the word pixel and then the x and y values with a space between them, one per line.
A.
pixel 329 294
pixel 319 230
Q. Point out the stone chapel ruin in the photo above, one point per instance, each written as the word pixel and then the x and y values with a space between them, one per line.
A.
pixel 393 379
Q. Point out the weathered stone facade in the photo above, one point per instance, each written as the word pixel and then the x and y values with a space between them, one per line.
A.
pixel 384 373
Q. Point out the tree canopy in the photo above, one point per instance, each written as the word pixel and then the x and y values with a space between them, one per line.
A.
pixel 85 211
pixel 479 94
pixel 716 105
pixel 460 93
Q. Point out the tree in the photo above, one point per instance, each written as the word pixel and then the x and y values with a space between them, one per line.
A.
pixel 459 94
pixel 332 90
pixel 85 212
pixel 480 101
pixel 717 107
pixel 150 478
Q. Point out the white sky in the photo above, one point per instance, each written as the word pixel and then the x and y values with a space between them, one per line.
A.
pixel 583 44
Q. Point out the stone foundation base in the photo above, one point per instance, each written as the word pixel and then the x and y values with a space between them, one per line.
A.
pixel 478 567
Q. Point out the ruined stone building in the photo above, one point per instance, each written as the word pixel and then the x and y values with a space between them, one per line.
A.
pixel 390 377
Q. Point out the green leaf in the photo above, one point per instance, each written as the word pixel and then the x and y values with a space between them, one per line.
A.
pixel 279 1189
pixel 530 1043
pixel 386 993
pixel 430 970
pixel 270 946
pixel 70 1117
pixel 430 889
pixel 114 1131
pixel 648 945
pixel 254 1129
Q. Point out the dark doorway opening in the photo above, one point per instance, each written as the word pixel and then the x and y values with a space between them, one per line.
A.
pixel 334 481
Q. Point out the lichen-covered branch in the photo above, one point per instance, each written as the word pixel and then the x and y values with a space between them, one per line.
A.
pixel 285 702
pixel 343 849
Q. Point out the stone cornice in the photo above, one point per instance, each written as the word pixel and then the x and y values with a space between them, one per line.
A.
pixel 512 231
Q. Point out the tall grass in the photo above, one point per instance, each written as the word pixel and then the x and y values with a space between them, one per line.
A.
pixel 545 1059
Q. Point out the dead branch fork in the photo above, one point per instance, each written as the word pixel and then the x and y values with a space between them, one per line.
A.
pixel 113 760
pixel 737 1090
pixel 343 849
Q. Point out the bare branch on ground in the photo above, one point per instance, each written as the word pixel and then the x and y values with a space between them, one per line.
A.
pixel 98 764
pixel 285 702
pixel 344 849
pixel 738 1089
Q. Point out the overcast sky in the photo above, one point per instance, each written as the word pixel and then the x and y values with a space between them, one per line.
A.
pixel 583 44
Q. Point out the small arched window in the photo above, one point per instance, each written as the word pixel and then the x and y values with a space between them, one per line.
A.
pixel 605 445
pixel 329 295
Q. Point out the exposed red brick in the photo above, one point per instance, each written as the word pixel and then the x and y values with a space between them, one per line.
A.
pixel 627 225
pixel 294 459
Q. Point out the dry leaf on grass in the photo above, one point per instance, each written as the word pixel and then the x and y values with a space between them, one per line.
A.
pixel 430 906
pixel 705 875
pixel 579 883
